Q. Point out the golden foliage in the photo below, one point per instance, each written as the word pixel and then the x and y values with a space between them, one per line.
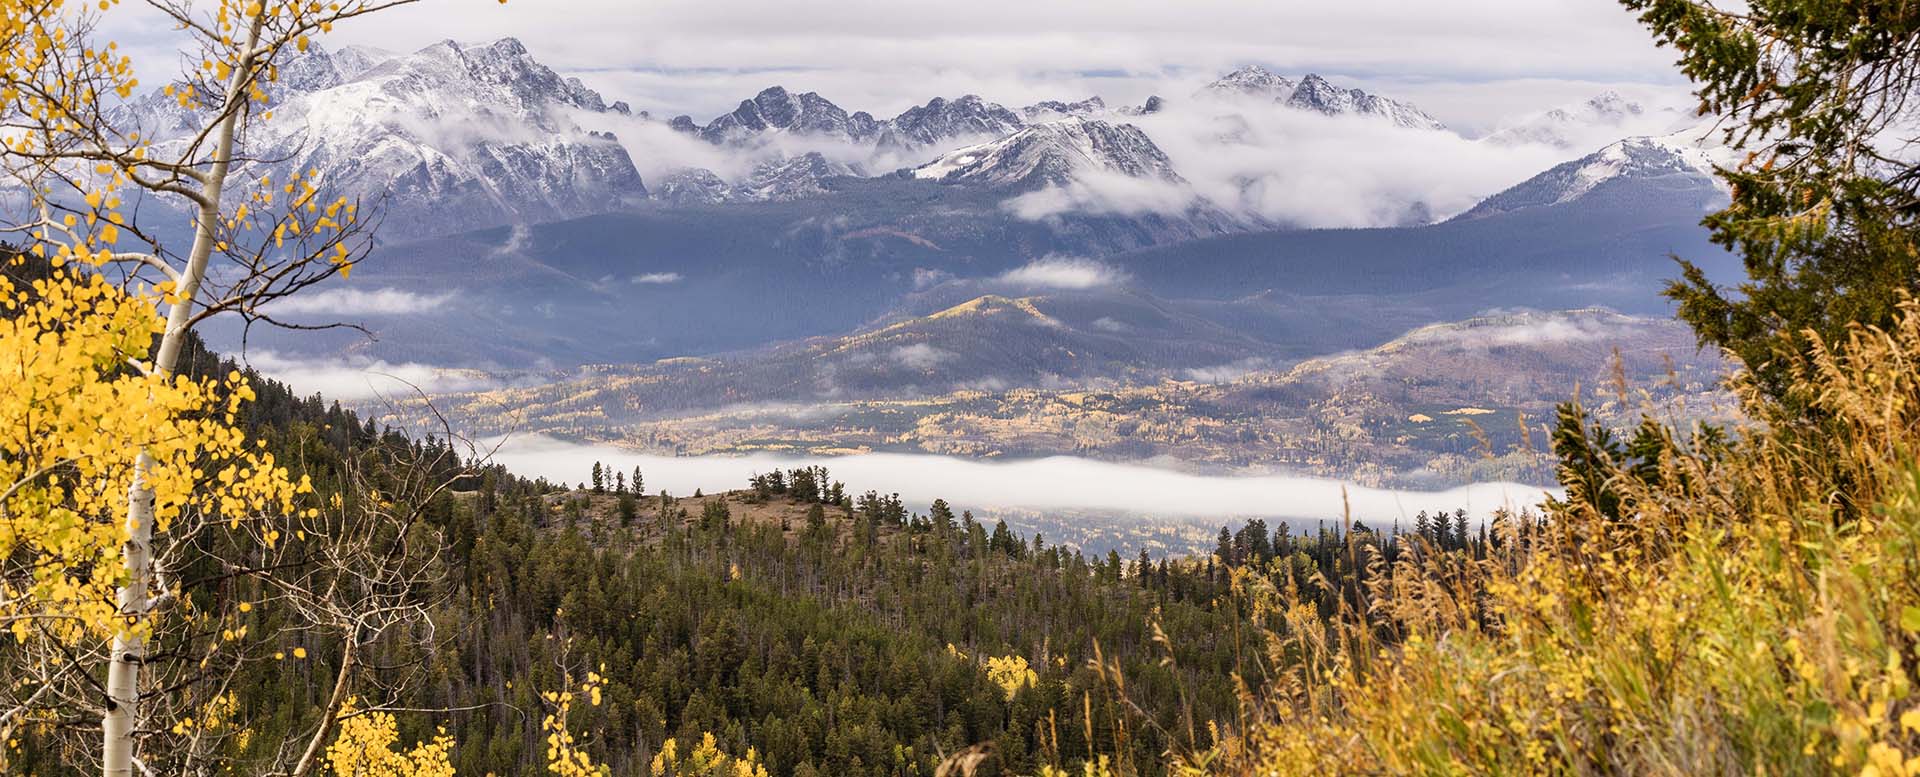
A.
pixel 365 747
pixel 76 411
pixel 1750 610
pixel 704 760
pixel 1010 673
pixel 565 756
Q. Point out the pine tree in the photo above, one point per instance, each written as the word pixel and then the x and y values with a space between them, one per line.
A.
pixel 1824 212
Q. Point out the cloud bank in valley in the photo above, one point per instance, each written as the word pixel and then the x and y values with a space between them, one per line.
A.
pixel 353 379
pixel 359 302
pixel 1055 483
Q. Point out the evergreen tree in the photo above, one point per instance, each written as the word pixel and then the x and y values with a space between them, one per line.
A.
pixel 1825 211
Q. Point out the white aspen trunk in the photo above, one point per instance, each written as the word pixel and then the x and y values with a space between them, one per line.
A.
pixel 135 599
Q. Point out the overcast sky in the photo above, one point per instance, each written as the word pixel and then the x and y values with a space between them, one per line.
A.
pixel 1468 62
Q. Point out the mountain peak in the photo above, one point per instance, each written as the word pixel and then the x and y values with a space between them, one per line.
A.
pixel 510 46
pixel 376 123
pixel 1250 81
pixel 942 120
pixel 1315 93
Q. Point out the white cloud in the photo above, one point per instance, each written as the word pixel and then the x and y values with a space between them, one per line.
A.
pixel 359 302
pixel 1104 193
pixel 924 278
pixel 1227 373
pixel 658 278
pixel 1064 272
pixel 359 378
pixel 921 356
pixel 1304 169
pixel 518 238
pixel 1058 483
pixel 1529 328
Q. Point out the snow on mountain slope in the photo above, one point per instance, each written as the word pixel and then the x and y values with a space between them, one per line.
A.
pixel 1054 153
pixel 797 178
pixel 445 139
pixel 1690 154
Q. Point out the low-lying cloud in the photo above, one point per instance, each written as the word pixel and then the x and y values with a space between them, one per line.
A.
pixel 658 278
pixel 359 302
pixel 921 356
pixel 1104 193
pixel 1304 169
pixel 360 378
pixel 1064 272
pixel 1055 483
pixel 1540 329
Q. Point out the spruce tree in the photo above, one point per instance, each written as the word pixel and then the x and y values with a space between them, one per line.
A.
pixel 1825 209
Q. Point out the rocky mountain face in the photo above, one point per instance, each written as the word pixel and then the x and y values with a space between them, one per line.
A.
pixel 942 120
pixel 1314 93
pixel 448 138
pixel 776 110
pixel 1054 153
pixel 1049 110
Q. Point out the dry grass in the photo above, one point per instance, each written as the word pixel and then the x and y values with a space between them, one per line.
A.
pixel 1752 610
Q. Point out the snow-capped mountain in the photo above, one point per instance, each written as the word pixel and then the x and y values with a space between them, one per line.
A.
pixel 448 138
pixel 1250 81
pixel 1607 114
pixel 942 121
pixel 692 186
pixel 1314 93
pixel 1049 110
pixel 1054 153
pixel 775 110
pixel 792 179
pixel 1687 157
pixel 1317 94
